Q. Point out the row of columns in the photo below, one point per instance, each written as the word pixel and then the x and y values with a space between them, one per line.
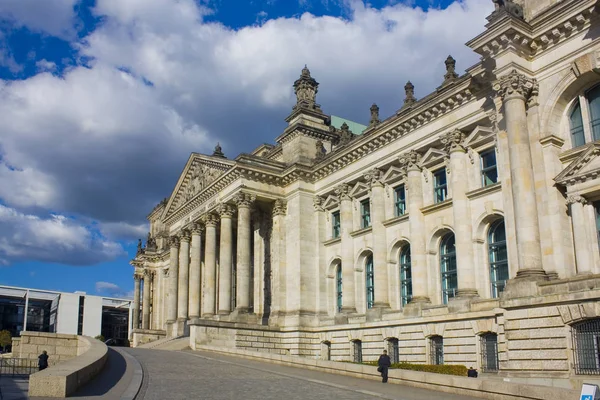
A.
pixel 582 218
pixel 142 288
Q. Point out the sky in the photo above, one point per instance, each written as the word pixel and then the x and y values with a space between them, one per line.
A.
pixel 102 102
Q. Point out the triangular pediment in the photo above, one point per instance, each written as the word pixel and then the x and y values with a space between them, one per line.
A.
pixel 331 202
pixel 360 189
pixel 199 173
pixel 393 174
pixel 433 157
pixel 480 135
pixel 584 167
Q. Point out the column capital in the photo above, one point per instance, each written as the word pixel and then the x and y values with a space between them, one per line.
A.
pixel 197 228
pixel 374 177
pixel 411 161
pixel 184 236
pixel 453 141
pixel 318 202
pixel 211 220
pixel 225 210
pixel 137 277
pixel 148 273
pixel 279 208
pixel 576 199
pixel 343 191
pixel 174 241
pixel 244 199
pixel 516 84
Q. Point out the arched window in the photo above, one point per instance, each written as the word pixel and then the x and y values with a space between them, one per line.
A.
pixel 370 281
pixel 448 267
pixel 489 352
pixel 393 350
pixel 405 276
pixel 498 258
pixel 584 118
pixel 357 351
pixel 338 287
pixel 436 350
pixel 586 347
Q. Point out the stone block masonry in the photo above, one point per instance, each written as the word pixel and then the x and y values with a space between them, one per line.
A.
pixel 60 347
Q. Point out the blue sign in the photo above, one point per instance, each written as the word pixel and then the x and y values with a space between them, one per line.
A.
pixel 587 397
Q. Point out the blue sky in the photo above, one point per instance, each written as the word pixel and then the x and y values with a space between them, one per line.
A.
pixel 103 100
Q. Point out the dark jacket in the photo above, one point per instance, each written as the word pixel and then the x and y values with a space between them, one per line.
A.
pixel 384 361
pixel 472 373
pixel 43 360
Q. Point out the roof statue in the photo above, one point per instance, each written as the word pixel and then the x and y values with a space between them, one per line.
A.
pixel 374 115
pixel 410 98
pixel 218 151
pixel 450 70
pixel 507 6
pixel 306 88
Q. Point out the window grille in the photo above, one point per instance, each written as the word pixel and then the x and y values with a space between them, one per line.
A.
pixel 489 352
pixel 370 281
pixel 405 276
pixel 400 195
pixel 394 350
pixel 365 212
pixel 357 347
pixel 489 169
pixel 336 224
pixel 448 267
pixel 436 350
pixel 498 258
pixel 440 185
pixel 338 282
pixel 586 345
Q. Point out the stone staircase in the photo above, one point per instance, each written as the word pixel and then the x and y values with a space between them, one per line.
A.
pixel 176 343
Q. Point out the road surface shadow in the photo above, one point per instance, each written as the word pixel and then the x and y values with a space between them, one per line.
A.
pixel 111 374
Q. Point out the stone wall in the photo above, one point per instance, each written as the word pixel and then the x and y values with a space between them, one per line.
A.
pixel 60 347
pixel 143 336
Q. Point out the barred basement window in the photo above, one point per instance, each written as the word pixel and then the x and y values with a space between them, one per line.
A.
pixel 393 350
pixel 357 350
pixel 436 350
pixel 586 345
pixel 489 352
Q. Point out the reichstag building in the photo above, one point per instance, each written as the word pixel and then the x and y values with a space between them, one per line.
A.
pixel 463 229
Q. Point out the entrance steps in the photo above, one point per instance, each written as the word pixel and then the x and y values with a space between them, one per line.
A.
pixel 176 343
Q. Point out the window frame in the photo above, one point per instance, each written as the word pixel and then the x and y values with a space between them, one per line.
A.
pixel 583 100
pixel 446 274
pixel 339 288
pixel 336 229
pixel 405 283
pixel 357 355
pixel 495 264
pixel 394 350
pixel 400 201
pixel 485 170
pixel 369 281
pixel 440 188
pixel 436 343
pixel 365 213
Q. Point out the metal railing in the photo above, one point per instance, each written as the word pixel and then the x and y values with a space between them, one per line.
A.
pixel 17 367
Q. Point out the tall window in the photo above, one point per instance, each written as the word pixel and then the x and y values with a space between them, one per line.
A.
pixel 489 352
pixel 586 346
pixel 338 286
pixel 335 223
pixel 489 170
pixel 357 351
pixel 436 350
pixel 448 267
pixel 393 350
pixel 583 131
pixel 370 281
pixel 400 196
pixel 365 214
pixel 498 257
pixel 440 185
pixel 405 276
pixel 597 209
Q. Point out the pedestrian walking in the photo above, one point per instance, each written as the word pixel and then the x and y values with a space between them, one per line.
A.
pixel 384 363
pixel 43 360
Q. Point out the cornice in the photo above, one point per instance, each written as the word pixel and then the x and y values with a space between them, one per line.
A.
pixel 333 241
pixel 473 194
pixel 436 207
pixel 299 128
pixel 361 232
pixel 396 220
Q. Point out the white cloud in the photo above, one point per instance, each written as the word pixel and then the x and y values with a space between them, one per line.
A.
pixel 53 17
pixel 45 66
pixel 124 231
pixel 56 239
pixel 112 290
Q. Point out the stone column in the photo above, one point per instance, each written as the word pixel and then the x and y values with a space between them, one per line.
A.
pixel 516 89
pixel 184 276
pixel 225 259
pixel 348 284
pixel 172 283
pixel 463 232
pixel 322 267
pixel 195 271
pixel 156 294
pixel 374 178
pixel 210 267
pixel 244 202
pixel 410 161
pixel 583 254
pixel 278 262
pixel 146 299
pixel 136 300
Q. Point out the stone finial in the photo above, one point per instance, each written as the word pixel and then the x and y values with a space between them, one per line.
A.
pixel 218 151
pixel 279 207
pixel 410 98
pixel 453 141
pixel 140 249
pixel 374 115
pixel 451 74
pixel 306 89
pixel 343 191
pixel 517 84
pixel 411 160
pixel 345 134
pixel 318 202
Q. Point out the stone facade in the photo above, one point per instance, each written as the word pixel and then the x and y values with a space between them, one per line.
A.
pixel 60 347
pixel 462 229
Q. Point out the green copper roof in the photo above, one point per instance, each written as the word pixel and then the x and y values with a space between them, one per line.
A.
pixel 355 127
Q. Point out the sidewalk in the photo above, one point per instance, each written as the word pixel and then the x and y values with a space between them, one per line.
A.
pixel 14 388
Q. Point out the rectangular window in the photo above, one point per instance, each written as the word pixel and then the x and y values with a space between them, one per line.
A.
pixel 400 198
pixel 489 170
pixel 597 209
pixel 80 316
pixel 335 224
pixel 365 214
pixel 440 185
